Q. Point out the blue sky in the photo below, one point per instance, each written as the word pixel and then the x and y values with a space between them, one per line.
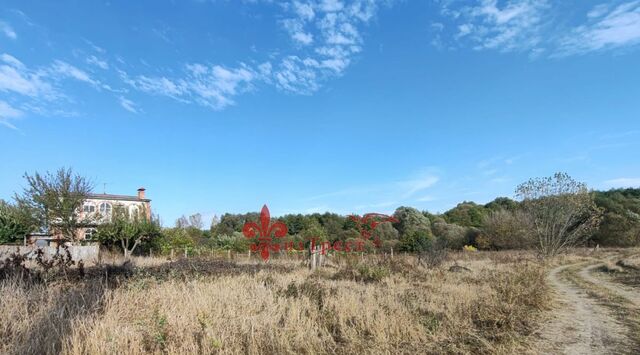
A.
pixel 347 106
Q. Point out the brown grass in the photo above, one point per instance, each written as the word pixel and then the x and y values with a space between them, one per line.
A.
pixel 214 306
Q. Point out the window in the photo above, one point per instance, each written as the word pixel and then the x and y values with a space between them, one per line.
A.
pixel 88 208
pixel 88 233
pixel 105 209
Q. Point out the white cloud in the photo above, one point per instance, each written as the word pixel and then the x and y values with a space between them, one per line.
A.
pixel 622 182
pixel 128 105
pixel 7 30
pixel 598 11
pixel 66 70
pixel 331 5
pixel 413 186
pixel 537 26
pixel 304 10
pixel 93 60
pixel 40 89
pixel 7 113
pixel 426 198
pixel 330 36
pixel 513 25
pixel 605 29
pixel 213 86
pixel 17 78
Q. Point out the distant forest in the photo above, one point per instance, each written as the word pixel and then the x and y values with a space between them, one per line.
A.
pixel 493 226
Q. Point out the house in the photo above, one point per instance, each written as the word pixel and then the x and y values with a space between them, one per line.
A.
pixel 97 209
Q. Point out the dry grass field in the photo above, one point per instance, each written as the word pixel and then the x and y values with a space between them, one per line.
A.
pixel 207 306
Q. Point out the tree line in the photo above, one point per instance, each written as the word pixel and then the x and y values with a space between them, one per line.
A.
pixel 549 214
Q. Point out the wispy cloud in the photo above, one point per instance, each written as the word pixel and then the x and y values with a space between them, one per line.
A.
pixel 538 26
pixel 93 60
pixel 7 113
pixel 606 28
pixel 384 194
pixel 622 182
pixel 40 89
pixel 513 25
pixel 411 187
pixel 7 30
pixel 212 86
pixel 426 198
pixel 15 77
pixel 128 105
pixel 65 70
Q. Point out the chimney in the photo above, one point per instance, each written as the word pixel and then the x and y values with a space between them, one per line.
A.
pixel 141 193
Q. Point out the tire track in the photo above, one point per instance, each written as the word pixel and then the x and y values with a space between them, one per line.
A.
pixel 632 296
pixel 580 325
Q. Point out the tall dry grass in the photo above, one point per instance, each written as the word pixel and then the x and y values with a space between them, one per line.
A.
pixel 370 306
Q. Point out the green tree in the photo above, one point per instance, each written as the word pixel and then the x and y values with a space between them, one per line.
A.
pixel 621 220
pixel 54 200
pixel 502 203
pixel 468 214
pixel 12 227
pixel 414 229
pixel 454 236
pixel 130 231
pixel 411 220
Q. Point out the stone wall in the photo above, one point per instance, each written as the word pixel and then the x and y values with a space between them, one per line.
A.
pixel 86 253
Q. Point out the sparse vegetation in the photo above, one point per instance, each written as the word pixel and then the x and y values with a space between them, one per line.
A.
pixel 204 306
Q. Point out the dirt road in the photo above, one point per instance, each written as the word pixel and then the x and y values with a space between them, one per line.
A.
pixel 582 323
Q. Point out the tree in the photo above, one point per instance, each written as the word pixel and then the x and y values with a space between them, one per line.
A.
pixel 468 214
pixel 214 221
pixel 454 235
pixel 182 222
pixel 12 227
pixel 502 203
pixel 621 220
pixel 507 229
pixel 411 220
pixel 54 200
pixel 561 210
pixel 195 221
pixel 414 229
pixel 130 231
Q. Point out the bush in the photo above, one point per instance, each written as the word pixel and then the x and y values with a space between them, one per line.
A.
pixel 434 254
pixel 362 272
pixel 455 235
pixel 11 228
pixel 507 230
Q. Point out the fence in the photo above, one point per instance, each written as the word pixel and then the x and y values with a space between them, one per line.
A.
pixel 86 253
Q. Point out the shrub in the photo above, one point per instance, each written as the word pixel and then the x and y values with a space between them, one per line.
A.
pixel 434 254
pixel 470 248
pixel 508 230
pixel 455 235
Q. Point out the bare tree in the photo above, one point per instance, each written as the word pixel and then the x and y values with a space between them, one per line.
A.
pixel 182 222
pixel 561 210
pixel 214 221
pixel 195 221
pixel 55 200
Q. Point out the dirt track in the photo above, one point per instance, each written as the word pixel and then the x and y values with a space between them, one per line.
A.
pixel 633 296
pixel 581 323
